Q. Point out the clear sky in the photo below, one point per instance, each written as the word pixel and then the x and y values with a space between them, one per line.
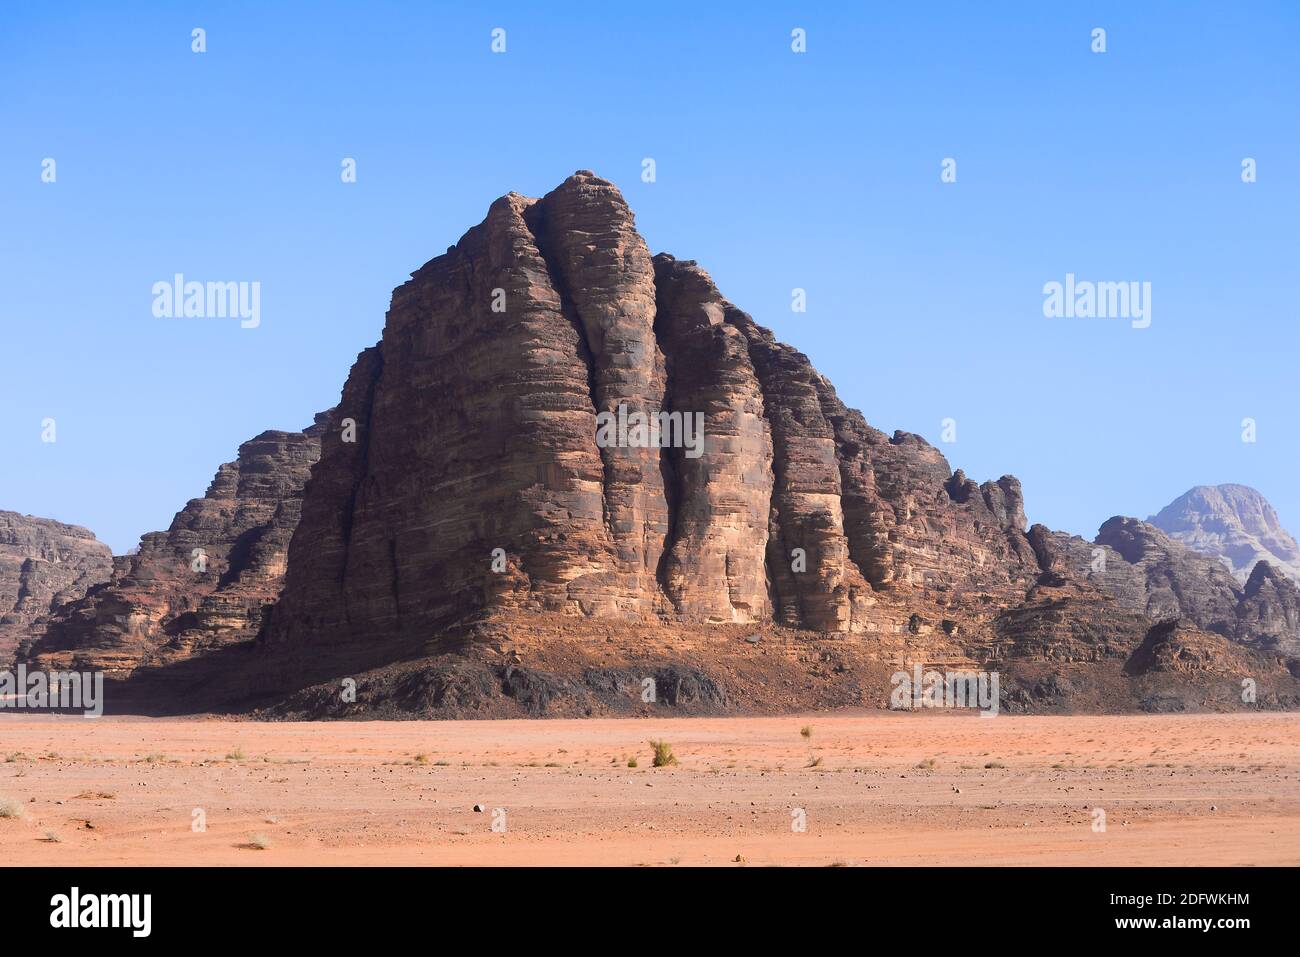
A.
pixel 775 170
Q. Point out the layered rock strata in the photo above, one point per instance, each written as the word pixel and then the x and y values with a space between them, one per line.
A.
pixel 43 565
pixel 206 581
pixel 482 479
pixel 568 466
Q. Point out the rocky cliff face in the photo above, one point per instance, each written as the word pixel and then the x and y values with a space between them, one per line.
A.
pixel 1179 646
pixel 202 584
pixel 43 564
pixel 568 467
pixel 1144 571
pixel 1268 617
pixel 1233 523
pixel 479 433
pixel 478 498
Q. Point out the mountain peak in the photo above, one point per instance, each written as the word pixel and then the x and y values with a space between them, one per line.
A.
pixel 1233 523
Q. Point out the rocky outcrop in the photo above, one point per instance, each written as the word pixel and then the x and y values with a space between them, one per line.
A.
pixel 1179 646
pixel 202 584
pixel 43 565
pixel 568 468
pixel 1268 617
pixel 1233 523
pixel 1175 581
pixel 1144 571
pixel 1069 626
pixel 815 583
pixel 479 489
pixel 715 563
pixel 601 268
pixel 497 465
pixel 474 483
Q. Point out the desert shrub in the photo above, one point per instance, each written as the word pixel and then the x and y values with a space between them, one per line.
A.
pixel 663 754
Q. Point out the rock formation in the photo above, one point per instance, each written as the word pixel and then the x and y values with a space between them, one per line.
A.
pixel 1144 570
pixel 1268 617
pixel 478 433
pixel 206 581
pixel 568 468
pixel 1233 523
pixel 1178 645
pixel 43 564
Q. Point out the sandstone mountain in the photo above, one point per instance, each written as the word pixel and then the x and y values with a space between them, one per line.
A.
pixel 43 564
pixel 205 582
pixel 1233 523
pixel 1146 571
pixel 510 515
pixel 475 431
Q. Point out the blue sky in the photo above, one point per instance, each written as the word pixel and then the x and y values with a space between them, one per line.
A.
pixel 775 170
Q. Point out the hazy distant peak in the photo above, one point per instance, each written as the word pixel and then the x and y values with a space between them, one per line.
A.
pixel 1235 524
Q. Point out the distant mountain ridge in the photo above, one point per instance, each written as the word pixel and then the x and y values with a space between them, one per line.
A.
pixel 1233 523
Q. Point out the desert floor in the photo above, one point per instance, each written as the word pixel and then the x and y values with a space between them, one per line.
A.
pixel 873 789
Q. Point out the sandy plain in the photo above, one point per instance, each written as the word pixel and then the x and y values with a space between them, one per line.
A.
pixel 868 788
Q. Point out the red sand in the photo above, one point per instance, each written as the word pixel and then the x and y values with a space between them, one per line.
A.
pixel 1198 789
